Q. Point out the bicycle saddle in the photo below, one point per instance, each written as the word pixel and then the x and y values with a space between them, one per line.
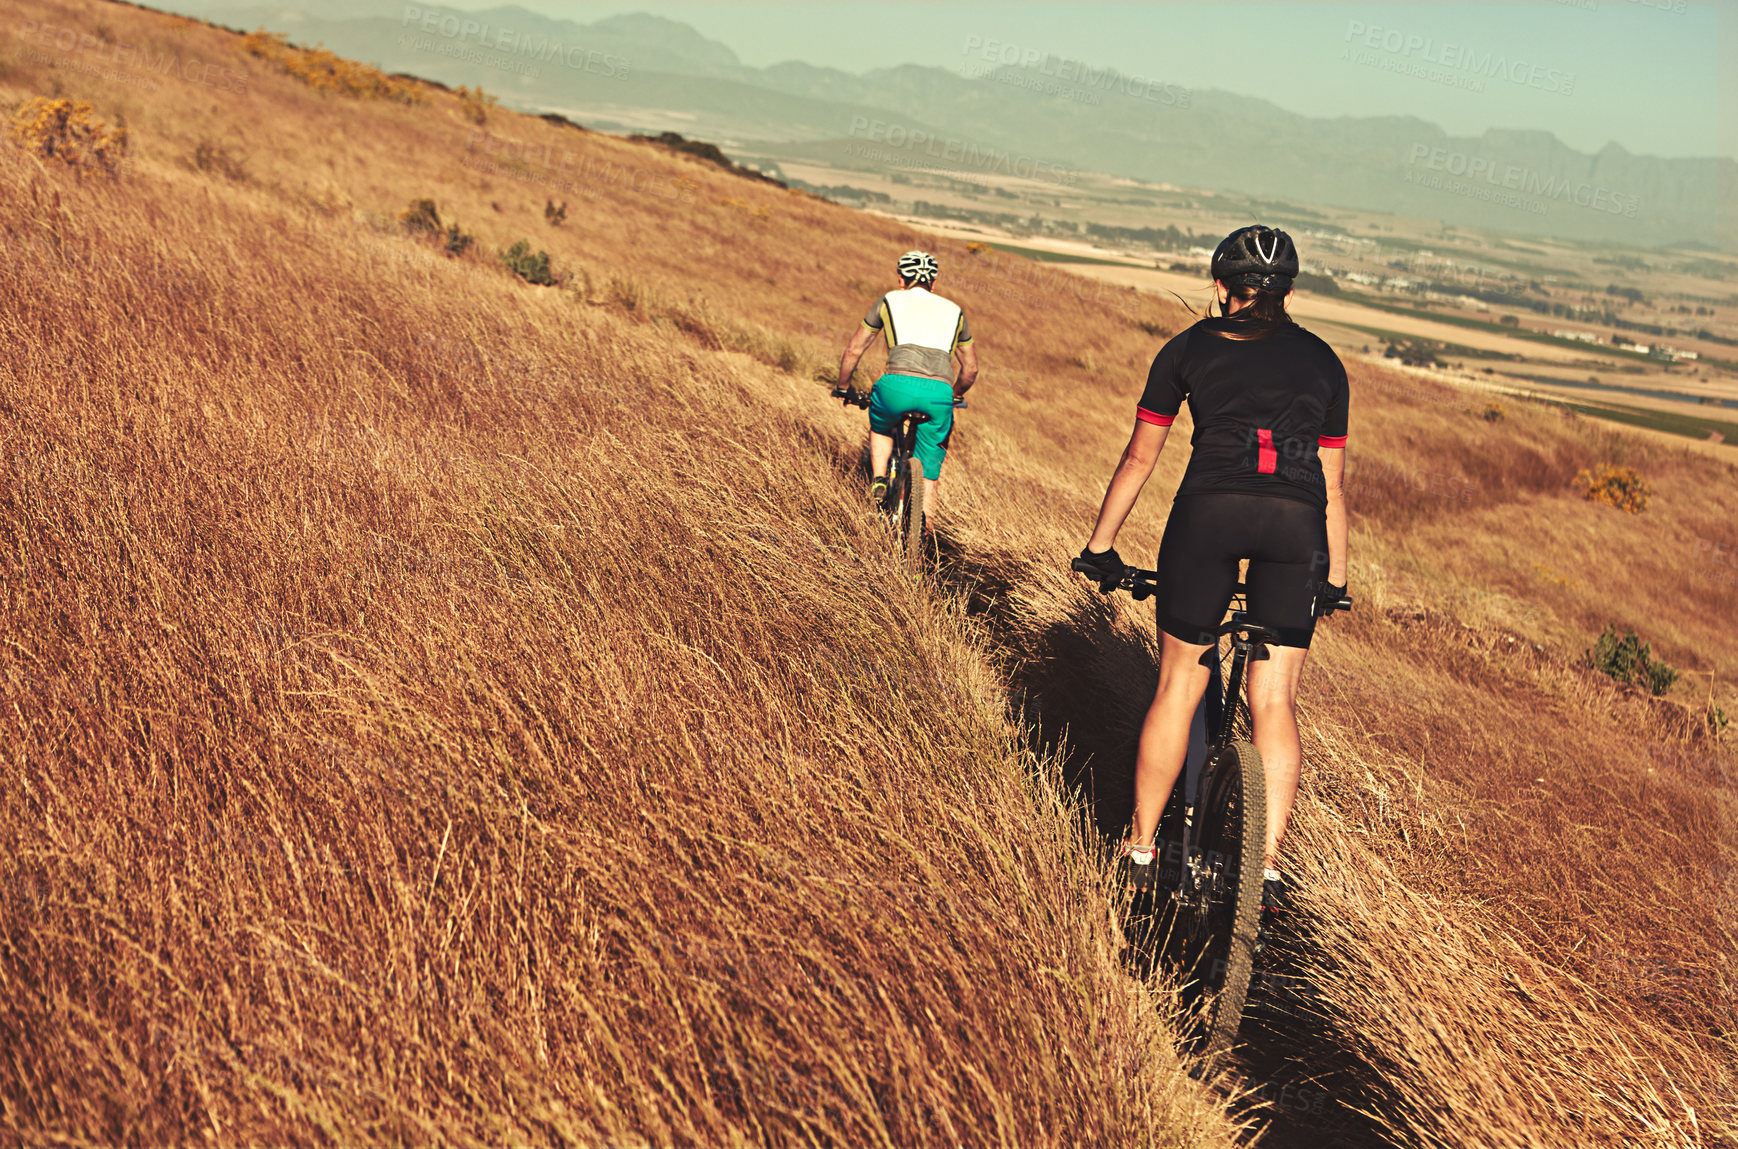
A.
pixel 1260 635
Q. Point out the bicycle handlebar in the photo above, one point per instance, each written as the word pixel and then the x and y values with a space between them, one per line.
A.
pixel 855 398
pixel 1143 584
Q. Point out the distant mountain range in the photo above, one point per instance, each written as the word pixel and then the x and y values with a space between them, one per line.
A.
pixel 642 72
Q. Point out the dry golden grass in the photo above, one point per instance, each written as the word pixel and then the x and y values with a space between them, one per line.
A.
pixel 441 709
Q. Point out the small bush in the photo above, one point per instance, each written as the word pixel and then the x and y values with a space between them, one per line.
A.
pixel 625 291
pixel 1717 720
pixel 422 219
pixel 1628 659
pixel 476 103
pixel 1616 486
pixel 1415 353
pixel 457 242
pixel 1510 321
pixel 420 216
pixel 531 268
pixel 216 159
pixel 1495 413
pixel 556 216
pixel 66 130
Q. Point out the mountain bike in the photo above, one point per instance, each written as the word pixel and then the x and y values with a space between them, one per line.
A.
pixel 903 503
pixel 1204 911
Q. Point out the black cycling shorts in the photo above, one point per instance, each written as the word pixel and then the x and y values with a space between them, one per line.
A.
pixel 1286 543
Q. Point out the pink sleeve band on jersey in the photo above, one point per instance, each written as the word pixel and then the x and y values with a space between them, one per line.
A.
pixel 1154 417
pixel 1338 441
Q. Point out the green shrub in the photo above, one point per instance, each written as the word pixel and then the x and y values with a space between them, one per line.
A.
pixel 1628 659
pixel 531 268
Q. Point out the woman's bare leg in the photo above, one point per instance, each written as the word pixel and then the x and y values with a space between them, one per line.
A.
pixel 1165 733
pixel 1273 709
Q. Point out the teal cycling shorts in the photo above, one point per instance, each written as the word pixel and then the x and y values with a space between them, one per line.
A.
pixel 894 395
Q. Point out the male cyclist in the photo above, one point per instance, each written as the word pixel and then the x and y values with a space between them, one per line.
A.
pixel 923 332
pixel 1269 403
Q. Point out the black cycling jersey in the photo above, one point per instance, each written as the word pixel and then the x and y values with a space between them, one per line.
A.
pixel 1261 408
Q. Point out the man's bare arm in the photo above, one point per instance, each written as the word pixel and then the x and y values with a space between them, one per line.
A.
pixel 854 351
pixel 968 354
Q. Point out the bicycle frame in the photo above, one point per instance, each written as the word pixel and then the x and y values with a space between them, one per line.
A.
pixel 1207 892
pixel 1249 643
pixel 905 438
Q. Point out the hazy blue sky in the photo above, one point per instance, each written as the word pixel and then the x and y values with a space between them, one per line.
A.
pixel 1648 74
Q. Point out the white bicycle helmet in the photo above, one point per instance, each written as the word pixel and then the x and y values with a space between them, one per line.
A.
pixel 918 267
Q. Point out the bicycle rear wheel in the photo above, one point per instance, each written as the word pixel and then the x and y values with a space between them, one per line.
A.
pixel 910 519
pixel 1214 935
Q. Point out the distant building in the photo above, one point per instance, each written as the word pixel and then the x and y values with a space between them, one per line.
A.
pixel 1578 336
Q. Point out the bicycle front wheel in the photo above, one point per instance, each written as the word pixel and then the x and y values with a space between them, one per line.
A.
pixel 1217 933
pixel 911 514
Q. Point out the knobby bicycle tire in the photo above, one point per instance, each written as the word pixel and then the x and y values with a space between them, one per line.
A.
pixel 1219 943
pixel 893 502
pixel 911 514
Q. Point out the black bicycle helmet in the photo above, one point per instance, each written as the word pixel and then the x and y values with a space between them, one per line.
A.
pixel 918 267
pixel 1264 258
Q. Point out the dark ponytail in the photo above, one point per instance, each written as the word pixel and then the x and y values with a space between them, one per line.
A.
pixel 1264 311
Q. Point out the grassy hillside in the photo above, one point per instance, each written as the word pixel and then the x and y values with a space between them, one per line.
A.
pixel 442 708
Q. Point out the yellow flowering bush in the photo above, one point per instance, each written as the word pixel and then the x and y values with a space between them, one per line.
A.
pixel 1619 487
pixel 68 131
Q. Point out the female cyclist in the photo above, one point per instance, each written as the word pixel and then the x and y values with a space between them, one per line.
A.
pixel 1269 404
